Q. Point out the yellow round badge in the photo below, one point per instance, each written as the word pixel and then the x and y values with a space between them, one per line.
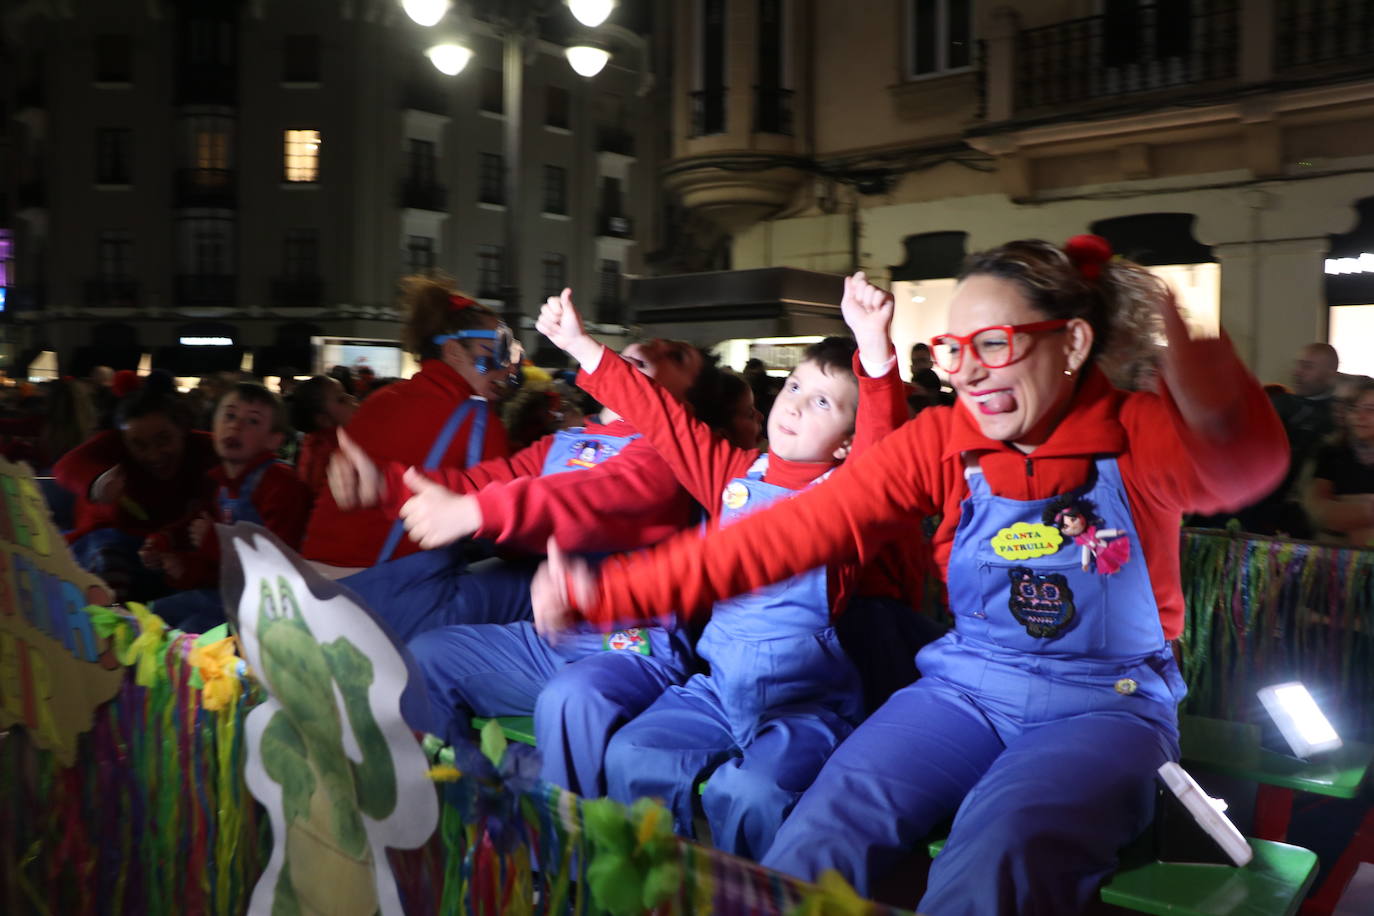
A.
pixel 736 495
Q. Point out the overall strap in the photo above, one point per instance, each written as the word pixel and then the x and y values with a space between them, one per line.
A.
pixel 436 454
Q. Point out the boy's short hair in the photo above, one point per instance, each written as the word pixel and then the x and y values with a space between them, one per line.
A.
pixel 834 355
pixel 253 393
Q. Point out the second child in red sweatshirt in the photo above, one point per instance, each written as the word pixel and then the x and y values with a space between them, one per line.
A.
pixel 249 485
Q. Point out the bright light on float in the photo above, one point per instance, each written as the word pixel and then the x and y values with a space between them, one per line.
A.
pixel 449 59
pixel 425 12
pixel 591 13
pixel 1299 719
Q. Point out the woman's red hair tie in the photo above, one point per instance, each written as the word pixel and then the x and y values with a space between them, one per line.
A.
pixel 457 303
pixel 1088 253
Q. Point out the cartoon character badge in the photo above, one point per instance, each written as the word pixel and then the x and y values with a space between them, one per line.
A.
pixel 736 495
pixel 1104 550
pixel 628 640
pixel 1041 602
pixel 587 453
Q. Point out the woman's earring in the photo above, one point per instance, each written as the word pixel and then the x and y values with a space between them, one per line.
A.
pixel 1069 373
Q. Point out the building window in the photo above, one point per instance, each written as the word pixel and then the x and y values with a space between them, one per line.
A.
pixel 421 163
pixel 6 260
pixel 555 273
pixel 206 246
pixel 608 282
pixel 939 36
pixel 489 267
pixel 772 98
pixel 557 105
pixel 113 59
pixel 209 143
pixel 301 59
pixel 492 96
pixel 708 99
pixel 555 189
pixel 491 187
pixel 114 255
pixel 303 156
pixel 113 157
pixel 301 257
pixel 419 254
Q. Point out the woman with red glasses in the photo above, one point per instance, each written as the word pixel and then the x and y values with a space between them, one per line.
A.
pixel 1040 721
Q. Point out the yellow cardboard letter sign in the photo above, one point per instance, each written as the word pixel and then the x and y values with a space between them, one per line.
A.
pixel 1022 541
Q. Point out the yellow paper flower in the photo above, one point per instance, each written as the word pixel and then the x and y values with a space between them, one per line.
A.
pixel 218 667
pixel 146 649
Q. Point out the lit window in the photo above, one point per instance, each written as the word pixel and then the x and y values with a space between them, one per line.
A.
pixel 303 155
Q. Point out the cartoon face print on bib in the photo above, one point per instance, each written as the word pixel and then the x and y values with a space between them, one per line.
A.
pixel 588 453
pixel 1041 602
pixel 1101 549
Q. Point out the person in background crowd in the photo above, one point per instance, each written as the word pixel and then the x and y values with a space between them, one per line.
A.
pixel 439 418
pixel 319 409
pixel 1339 495
pixel 1307 413
pixel 101 381
pixel 132 481
pixel 70 419
pixel 920 358
pixel 344 376
pixel 1040 722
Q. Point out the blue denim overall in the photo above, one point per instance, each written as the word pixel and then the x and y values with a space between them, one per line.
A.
pixel 780 696
pixel 1038 723
pixel 481 656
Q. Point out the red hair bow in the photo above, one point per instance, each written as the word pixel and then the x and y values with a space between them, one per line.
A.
pixel 457 303
pixel 1088 253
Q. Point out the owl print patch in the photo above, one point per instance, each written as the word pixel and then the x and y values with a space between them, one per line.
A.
pixel 1041 602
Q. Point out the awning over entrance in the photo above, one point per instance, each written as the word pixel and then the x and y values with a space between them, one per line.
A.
pixel 707 308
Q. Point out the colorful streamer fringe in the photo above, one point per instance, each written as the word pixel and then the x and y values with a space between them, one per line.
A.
pixel 156 818
pixel 1264 610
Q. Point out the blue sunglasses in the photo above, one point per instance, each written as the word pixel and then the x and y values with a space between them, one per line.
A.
pixel 505 349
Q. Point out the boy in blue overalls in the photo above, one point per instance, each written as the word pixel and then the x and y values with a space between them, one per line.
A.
pixel 781 693
pixel 250 485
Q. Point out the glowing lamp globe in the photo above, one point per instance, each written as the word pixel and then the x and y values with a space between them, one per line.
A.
pixel 591 13
pixel 586 60
pixel 425 12
pixel 449 59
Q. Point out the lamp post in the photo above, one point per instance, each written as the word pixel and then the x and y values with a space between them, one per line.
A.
pixel 516 24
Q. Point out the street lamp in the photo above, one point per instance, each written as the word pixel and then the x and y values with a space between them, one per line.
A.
pixel 516 23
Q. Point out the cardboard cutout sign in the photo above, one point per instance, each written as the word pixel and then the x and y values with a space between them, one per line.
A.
pixel 330 755
pixel 54 671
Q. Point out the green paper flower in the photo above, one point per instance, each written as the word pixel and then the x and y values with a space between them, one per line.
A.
pixel 636 861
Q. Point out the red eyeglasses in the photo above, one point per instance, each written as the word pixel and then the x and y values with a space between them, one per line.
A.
pixel 993 347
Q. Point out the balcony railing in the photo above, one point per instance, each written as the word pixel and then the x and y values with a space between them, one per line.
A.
pixel 1323 32
pixel 206 290
pixel 297 292
pixel 1103 56
pixel 111 292
pixel 423 195
pixel 772 110
pixel 616 227
pixel 205 188
pixel 708 112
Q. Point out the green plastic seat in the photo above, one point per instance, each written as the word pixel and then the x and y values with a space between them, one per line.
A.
pixel 515 728
pixel 1273 884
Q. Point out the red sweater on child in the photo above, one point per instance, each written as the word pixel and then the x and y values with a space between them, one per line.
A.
pixel 312 464
pixel 1167 467
pixel 280 498
pixel 397 424
pixel 631 500
pixel 705 463
pixel 149 504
